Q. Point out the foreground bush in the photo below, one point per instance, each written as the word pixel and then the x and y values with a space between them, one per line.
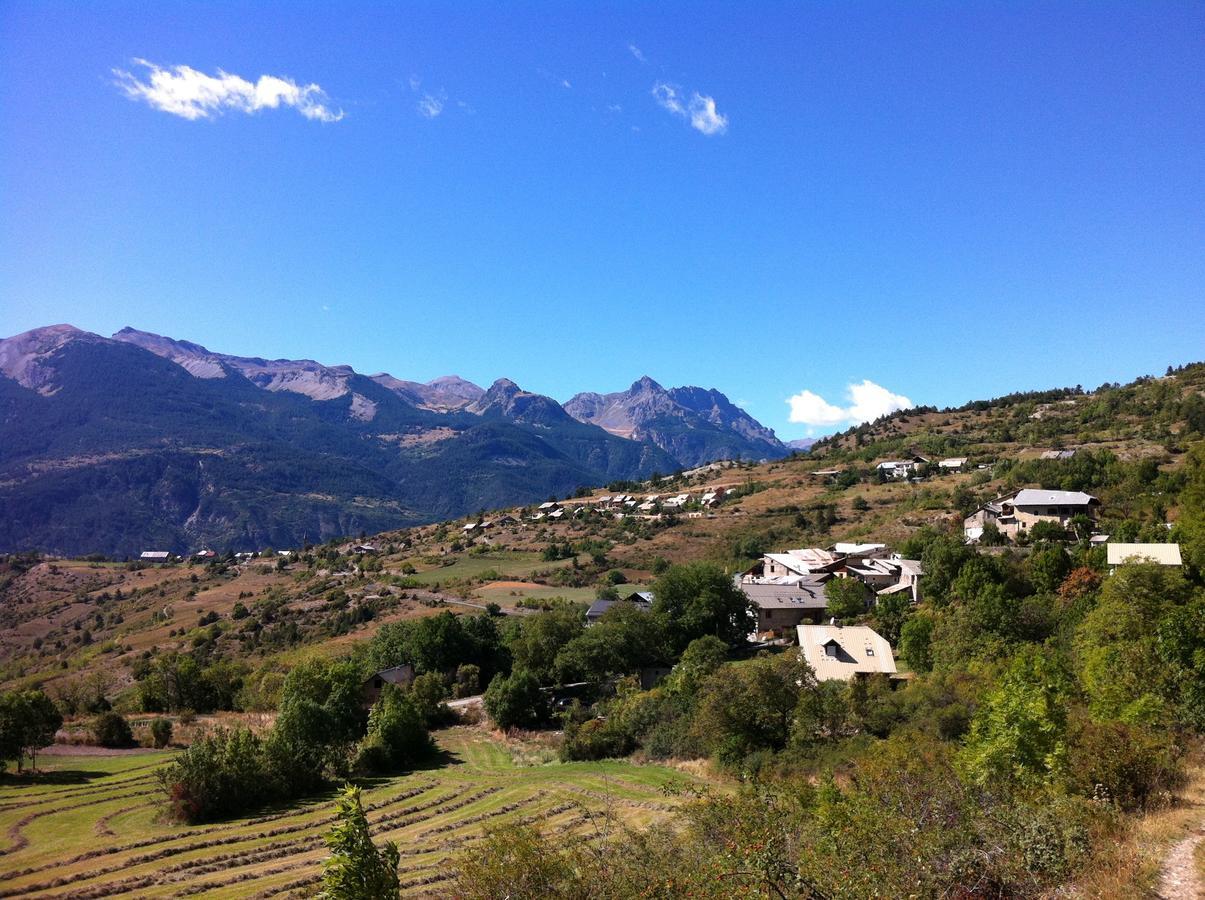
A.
pixel 222 774
pixel 356 869
pixel 905 823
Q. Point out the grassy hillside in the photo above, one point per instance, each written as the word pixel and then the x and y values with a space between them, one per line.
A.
pixel 94 822
pixel 65 622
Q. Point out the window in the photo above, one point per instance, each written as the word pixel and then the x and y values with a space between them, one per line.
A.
pixel 870 651
pixel 830 650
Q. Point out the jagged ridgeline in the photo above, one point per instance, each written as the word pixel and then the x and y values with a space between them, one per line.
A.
pixel 111 445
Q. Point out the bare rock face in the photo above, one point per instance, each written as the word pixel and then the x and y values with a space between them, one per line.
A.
pixel 446 394
pixel 25 358
pixel 695 425
pixel 194 358
pixel 301 376
pixel 506 399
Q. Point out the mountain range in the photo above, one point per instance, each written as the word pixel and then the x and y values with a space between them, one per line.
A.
pixel 136 441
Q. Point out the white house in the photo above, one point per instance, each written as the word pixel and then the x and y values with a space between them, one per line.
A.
pixel 844 652
pixel 902 468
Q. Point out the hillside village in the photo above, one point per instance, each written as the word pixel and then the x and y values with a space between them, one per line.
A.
pixel 784 622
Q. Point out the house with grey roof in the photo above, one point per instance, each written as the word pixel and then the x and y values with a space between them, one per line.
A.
pixel 1020 512
pixel 781 607
pixel 642 600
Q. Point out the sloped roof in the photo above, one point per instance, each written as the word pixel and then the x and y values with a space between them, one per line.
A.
pixel 1037 497
pixel 394 674
pixel 794 563
pixel 1164 554
pixel 863 651
pixel 598 607
pixel 799 595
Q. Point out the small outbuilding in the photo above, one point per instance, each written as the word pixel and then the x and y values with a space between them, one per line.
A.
pixel 373 685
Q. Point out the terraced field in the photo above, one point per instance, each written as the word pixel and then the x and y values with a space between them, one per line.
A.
pixel 92 826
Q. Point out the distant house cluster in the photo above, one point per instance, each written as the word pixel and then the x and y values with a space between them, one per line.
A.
pixel 619 506
pixel 788 588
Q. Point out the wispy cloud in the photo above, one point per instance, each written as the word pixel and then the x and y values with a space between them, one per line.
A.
pixel 636 52
pixel 430 106
pixel 565 84
pixel 868 401
pixel 190 94
pixel 699 110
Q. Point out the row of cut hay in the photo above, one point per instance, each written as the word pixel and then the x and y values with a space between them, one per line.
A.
pixel 276 850
pixel 73 794
pixel 312 878
pixel 165 852
pixel 396 820
pixel 308 809
pixel 15 830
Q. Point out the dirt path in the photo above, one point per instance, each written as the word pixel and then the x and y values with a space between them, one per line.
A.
pixel 1179 879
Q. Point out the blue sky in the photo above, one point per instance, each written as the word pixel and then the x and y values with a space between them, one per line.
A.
pixel 948 201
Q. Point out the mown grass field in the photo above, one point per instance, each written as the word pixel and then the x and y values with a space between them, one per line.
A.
pixel 92 826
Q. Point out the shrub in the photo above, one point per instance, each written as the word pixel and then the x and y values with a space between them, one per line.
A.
pixel 161 732
pixel 397 736
pixel 515 701
pixel 1136 766
pixel 222 774
pixel 595 739
pixel 110 729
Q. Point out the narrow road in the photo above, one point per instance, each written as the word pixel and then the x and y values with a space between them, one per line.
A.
pixel 1180 879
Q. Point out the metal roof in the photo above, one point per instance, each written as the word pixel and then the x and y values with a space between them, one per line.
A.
pixel 1164 554
pixel 862 651
pixel 1036 497
pixel 801 595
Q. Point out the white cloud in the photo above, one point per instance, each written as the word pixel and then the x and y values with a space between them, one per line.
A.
pixel 185 92
pixel 812 409
pixel 868 401
pixel 703 116
pixel 430 106
pixel 636 52
pixel 699 110
pixel 666 96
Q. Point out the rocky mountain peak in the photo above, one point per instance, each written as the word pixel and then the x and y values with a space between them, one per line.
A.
pixel 24 357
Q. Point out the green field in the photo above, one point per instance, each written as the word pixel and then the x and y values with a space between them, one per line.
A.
pixel 92 826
